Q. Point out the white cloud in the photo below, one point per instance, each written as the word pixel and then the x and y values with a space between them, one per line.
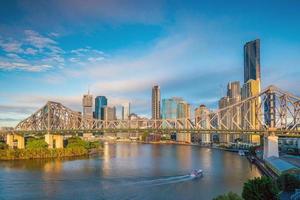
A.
pixel 11 46
pixel 23 66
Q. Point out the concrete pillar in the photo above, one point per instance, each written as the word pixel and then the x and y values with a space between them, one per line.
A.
pixel 10 140
pixel 205 137
pixel 49 140
pixel 270 146
pixel 54 141
pixel 59 141
pixel 20 141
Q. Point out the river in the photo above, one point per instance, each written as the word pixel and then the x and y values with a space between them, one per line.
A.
pixel 128 171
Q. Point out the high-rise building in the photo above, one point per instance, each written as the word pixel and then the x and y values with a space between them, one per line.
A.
pixel 234 95
pixel 125 111
pixel 176 108
pixel 169 108
pixel 250 116
pixel 100 102
pixel 252 60
pixel 109 113
pixel 224 119
pixel 202 119
pixel 156 102
pixel 87 104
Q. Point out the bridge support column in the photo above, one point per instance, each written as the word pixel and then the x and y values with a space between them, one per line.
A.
pixel 49 140
pixel 58 141
pixel 183 137
pixel 270 146
pixel 20 141
pixel 11 138
pixel 54 141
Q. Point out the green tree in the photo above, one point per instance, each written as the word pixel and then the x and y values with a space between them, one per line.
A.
pixel 74 142
pixel 228 196
pixel 3 146
pixel 34 143
pixel 260 189
pixel 288 182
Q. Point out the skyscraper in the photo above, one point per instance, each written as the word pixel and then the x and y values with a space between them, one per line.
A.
pixel 87 104
pixel 234 95
pixel 109 113
pixel 252 60
pixel 100 102
pixel 125 111
pixel 202 119
pixel 156 102
pixel 251 118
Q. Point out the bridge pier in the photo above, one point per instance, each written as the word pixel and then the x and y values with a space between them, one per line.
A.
pixel 54 141
pixel 183 137
pixel 11 138
pixel 270 146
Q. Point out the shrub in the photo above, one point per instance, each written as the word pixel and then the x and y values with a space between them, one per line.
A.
pixel 228 196
pixel 260 189
pixel 288 182
pixel 36 144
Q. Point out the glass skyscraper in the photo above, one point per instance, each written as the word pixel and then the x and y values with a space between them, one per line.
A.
pixel 252 60
pixel 175 108
pixel 100 103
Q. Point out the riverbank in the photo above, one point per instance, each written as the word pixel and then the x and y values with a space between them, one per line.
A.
pixel 25 154
pixel 38 149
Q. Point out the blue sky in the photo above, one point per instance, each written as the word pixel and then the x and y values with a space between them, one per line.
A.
pixel 57 49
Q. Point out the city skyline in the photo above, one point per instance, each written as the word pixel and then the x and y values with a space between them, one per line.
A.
pixel 202 61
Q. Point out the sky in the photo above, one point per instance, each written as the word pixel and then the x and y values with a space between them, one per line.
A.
pixel 59 49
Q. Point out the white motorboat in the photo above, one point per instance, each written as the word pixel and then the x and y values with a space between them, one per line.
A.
pixel 196 173
pixel 241 153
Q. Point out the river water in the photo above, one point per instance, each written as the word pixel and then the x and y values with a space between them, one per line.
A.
pixel 128 171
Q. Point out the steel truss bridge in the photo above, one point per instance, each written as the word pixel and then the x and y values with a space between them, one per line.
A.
pixel 271 111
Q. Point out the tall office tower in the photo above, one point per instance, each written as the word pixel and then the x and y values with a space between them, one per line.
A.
pixel 100 102
pixel 87 104
pixel 177 108
pixel 224 121
pixel 109 113
pixel 125 111
pixel 251 116
pixel 156 102
pixel 252 60
pixel 202 120
pixel 234 95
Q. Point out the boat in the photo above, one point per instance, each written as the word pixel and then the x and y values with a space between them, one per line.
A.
pixel 196 173
pixel 241 153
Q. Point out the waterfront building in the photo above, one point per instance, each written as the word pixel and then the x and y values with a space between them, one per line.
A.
pixel 252 61
pixel 202 119
pixel 100 103
pixel 251 118
pixel 125 111
pixel 109 113
pixel 137 121
pixel 87 104
pixel 156 114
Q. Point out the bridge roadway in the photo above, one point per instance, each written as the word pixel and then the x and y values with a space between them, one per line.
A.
pixel 262 132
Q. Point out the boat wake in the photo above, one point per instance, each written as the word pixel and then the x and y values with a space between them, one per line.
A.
pixel 162 181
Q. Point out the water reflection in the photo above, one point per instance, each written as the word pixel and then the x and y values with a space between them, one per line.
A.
pixel 128 171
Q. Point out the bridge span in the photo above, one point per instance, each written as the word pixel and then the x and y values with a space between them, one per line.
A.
pixel 270 114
